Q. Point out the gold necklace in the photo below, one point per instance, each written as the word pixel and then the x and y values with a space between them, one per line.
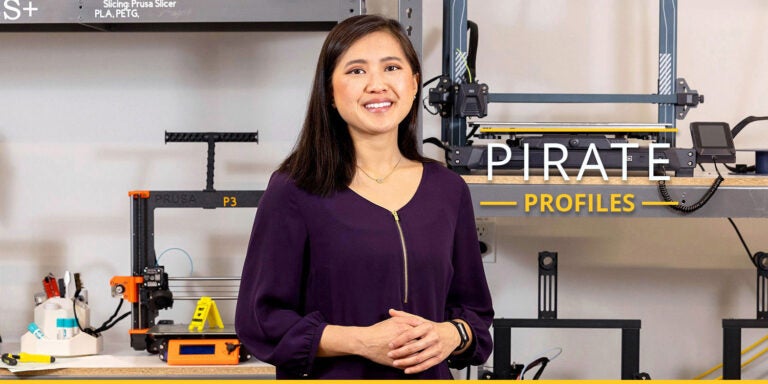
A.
pixel 380 180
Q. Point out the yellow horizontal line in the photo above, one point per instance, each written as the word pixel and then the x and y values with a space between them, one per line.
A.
pixel 660 203
pixel 498 203
pixel 576 130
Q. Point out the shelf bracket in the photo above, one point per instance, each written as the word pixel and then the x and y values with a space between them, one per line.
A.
pixel 547 285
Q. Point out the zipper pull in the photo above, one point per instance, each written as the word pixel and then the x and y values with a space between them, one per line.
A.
pixel 394 213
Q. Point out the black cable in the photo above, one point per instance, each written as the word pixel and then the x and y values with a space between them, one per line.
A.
pixel 695 206
pixel 541 369
pixel 440 144
pixel 744 243
pixel 743 123
pixel 473 131
pixel 74 310
pixel 743 168
pixel 472 48
pixel 431 80
pixel 543 361
pixel 424 104
pixel 120 304
pixel 107 327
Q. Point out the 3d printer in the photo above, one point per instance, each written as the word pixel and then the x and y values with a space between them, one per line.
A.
pixel 147 287
pixel 458 96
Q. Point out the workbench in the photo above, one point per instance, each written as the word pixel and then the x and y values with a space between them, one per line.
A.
pixel 118 361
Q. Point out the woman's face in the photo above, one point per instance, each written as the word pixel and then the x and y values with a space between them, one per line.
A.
pixel 374 85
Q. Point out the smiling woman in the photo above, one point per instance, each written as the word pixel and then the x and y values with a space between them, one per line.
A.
pixel 373 90
pixel 364 261
pixel 374 86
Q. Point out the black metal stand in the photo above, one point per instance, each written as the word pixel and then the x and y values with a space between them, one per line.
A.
pixel 630 340
pixel 502 328
pixel 732 344
pixel 732 327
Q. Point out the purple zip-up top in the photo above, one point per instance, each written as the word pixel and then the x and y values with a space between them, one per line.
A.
pixel 343 260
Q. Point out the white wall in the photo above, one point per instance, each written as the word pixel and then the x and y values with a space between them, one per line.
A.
pixel 679 276
pixel 83 116
pixel 83 122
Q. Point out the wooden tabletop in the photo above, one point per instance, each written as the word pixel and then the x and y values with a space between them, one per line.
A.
pixel 121 361
pixel 243 370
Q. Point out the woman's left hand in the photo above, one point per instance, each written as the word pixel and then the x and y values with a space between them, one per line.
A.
pixel 422 346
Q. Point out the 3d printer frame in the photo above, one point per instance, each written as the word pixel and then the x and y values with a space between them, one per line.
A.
pixel 459 99
pixel 153 293
pixel 147 288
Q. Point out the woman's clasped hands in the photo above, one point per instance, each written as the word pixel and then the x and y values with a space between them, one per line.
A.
pixel 409 342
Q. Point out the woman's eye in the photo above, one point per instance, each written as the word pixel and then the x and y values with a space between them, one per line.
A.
pixel 356 71
pixel 391 68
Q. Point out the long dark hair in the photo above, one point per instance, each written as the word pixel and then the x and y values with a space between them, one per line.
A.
pixel 323 160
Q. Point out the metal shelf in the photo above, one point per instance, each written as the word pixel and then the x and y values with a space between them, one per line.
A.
pixel 194 15
pixel 175 15
pixel 736 197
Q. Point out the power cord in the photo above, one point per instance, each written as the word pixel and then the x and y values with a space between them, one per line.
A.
pixel 106 325
pixel 541 362
pixel 680 207
pixel 436 142
pixel 743 168
pixel 744 243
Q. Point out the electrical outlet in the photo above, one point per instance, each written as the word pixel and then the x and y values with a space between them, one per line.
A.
pixel 486 236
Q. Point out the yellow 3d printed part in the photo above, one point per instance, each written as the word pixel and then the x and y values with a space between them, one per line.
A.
pixel 205 310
